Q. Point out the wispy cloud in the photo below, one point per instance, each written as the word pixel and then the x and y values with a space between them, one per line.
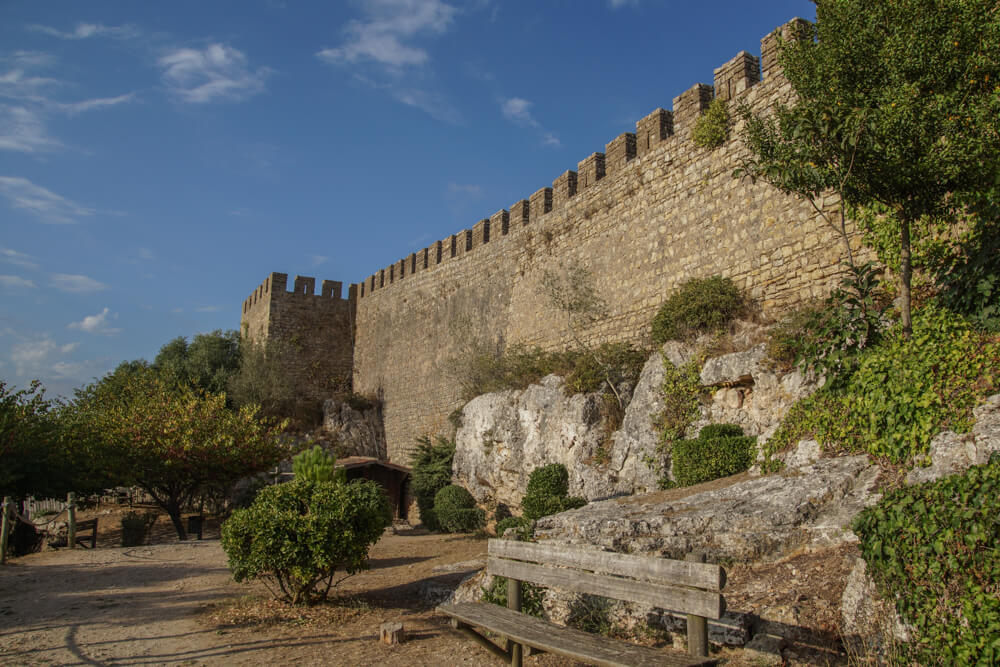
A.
pixel 217 72
pixel 73 108
pixel 318 259
pixel 465 190
pixel 69 282
pixel 382 37
pixel 97 324
pixel 208 309
pixel 145 254
pixel 518 111
pixel 31 357
pixel 46 205
pixel 618 4
pixel 22 130
pixel 16 258
pixel 88 30
pixel 17 84
pixel 16 283
pixel 384 50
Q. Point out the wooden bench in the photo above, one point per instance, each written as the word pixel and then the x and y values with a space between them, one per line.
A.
pixel 690 587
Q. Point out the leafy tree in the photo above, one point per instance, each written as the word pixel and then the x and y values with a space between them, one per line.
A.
pixel 262 378
pixel 431 473
pixel 897 106
pixel 30 461
pixel 298 535
pixel 175 442
pixel 207 363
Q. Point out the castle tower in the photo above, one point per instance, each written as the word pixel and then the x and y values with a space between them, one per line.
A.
pixel 314 331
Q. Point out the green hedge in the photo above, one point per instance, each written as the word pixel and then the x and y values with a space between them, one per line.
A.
pixel 431 473
pixel 546 494
pixel 455 510
pixel 711 456
pixel 933 548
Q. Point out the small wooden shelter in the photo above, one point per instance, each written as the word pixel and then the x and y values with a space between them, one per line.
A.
pixel 394 478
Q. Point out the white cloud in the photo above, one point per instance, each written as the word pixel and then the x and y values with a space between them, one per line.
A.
pixel 16 282
pixel 32 357
pixel 17 258
pixel 618 4
pixel 318 259
pixel 22 130
pixel 381 51
pixel 68 282
pixel 380 38
pixel 208 309
pixel 17 85
pixel 218 72
pixel 518 111
pixel 44 204
pixel 87 30
pixel 145 254
pixel 96 324
pixel 73 108
pixel 467 190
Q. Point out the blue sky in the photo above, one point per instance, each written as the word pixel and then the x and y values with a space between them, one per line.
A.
pixel 158 160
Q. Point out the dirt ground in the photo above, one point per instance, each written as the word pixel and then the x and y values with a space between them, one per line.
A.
pixel 174 603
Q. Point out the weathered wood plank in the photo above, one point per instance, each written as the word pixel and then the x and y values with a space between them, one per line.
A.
pixel 647 568
pixel 568 642
pixel 675 598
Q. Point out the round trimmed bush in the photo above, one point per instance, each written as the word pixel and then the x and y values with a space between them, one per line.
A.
pixel 699 305
pixel 550 480
pixel 301 532
pixel 456 510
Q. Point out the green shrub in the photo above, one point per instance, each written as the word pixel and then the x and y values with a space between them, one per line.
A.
pixel 431 473
pixel 902 393
pixel 711 456
pixel 932 548
pixel 523 526
pixel 316 465
pixel 699 305
pixel 532 596
pixel 456 511
pixel 549 480
pixel 136 526
pixel 681 391
pixel 546 493
pixel 710 431
pixel 712 127
pixel 970 284
pixel 298 534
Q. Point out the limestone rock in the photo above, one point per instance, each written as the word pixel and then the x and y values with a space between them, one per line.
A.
pixel 806 453
pixel 737 368
pixel 952 453
pixel 868 620
pixel 353 432
pixel 767 516
pixel 506 435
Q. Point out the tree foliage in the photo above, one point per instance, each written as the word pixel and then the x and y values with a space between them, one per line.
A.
pixel 299 534
pixel 316 465
pixel 174 442
pixel 897 105
pixel 431 473
pixel 208 363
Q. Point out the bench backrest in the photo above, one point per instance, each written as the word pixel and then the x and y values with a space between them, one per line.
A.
pixel 680 586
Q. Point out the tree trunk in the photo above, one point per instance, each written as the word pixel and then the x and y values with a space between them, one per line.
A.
pixel 174 511
pixel 905 275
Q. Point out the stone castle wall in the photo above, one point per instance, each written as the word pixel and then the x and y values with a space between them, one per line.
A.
pixel 314 330
pixel 649 212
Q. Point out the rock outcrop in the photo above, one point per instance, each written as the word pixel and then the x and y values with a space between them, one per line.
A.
pixel 351 432
pixel 506 435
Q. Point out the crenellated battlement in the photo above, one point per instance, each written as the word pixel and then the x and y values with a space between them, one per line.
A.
pixel 731 81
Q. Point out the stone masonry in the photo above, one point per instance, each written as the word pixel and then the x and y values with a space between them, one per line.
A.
pixel 648 213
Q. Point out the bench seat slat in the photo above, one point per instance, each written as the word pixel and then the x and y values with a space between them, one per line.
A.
pixel 568 642
pixel 675 598
pixel 681 573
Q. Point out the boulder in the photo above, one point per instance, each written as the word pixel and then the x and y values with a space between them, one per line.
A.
pixel 351 432
pixel 952 453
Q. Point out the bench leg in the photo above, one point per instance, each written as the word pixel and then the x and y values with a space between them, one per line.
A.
pixel 514 603
pixel 479 639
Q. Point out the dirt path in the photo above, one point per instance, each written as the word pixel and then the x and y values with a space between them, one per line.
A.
pixel 174 603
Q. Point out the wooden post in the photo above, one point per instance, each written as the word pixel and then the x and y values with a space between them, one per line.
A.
pixel 71 523
pixel 4 529
pixel 392 632
pixel 697 626
pixel 514 603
